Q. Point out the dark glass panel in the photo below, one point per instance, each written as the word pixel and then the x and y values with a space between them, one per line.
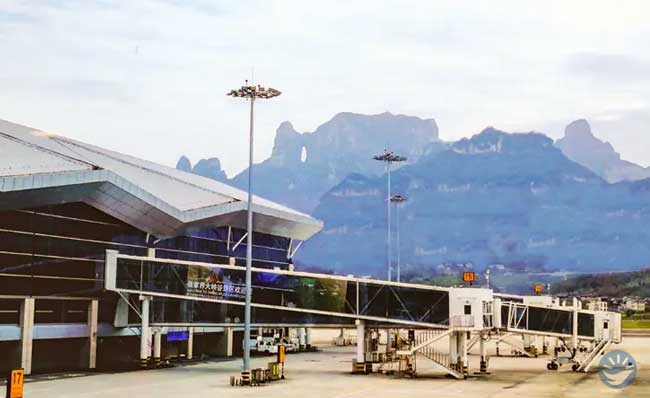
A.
pixel 9 311
pixel 61 311
pixel 550 320
pixel 586 325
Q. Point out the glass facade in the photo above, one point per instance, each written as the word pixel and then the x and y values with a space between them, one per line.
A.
pixel 59 250
pixel 214 245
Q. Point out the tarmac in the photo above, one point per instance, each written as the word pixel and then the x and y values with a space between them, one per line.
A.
pixel 328 374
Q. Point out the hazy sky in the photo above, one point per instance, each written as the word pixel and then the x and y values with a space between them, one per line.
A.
pixel 149 77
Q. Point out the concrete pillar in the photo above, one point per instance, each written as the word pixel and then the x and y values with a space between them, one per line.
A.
pixel 301 338
pixel 157 347
pixel 361 341
pixel 145 333
pixel 453 350
pixel 308 338
pixel 190 343
pixel 93 310
pixel 229 341
pixel 26 334
pixel 483 354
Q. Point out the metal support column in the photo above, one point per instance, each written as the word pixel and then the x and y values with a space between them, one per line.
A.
pixel 26 334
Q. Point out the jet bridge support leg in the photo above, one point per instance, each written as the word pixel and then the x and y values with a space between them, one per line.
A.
pixel 302 343
pixel 359 363
pixel 483 354
pixel 308 338
pixel 462 347
pixel 453 351
pixel 574 337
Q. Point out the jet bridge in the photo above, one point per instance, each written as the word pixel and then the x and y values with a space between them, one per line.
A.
pixel 301 299
pixel 278 296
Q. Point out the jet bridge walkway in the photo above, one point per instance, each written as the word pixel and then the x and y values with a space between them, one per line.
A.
pixel 278 297
pixel 184 293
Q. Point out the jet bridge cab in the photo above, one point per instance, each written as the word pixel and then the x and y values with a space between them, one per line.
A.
pixel 607 326
pixel 471 309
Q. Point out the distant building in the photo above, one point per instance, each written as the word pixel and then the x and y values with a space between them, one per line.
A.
pixel 594 304
pixel 635 304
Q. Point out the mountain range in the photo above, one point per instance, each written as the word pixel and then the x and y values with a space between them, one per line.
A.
pixel 303 166
pixel 519 201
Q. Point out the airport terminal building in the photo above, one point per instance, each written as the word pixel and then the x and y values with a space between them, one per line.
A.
pixel 64 203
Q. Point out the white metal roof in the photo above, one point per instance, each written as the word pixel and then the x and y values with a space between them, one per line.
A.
pixel 26 154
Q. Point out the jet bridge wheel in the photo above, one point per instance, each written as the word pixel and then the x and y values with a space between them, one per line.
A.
pixel 575 367
pixel 552 366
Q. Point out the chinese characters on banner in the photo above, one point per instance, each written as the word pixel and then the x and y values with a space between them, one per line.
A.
pixel 206 282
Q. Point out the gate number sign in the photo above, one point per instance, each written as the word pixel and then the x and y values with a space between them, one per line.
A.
pixel 469 277
pixel 15 383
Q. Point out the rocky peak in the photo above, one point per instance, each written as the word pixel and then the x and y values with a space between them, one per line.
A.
pixel 578 138
pixel 288 144
pixel 210 168
pixel 578 129
pixel 582 146
pixel 491 140
pixel 184 164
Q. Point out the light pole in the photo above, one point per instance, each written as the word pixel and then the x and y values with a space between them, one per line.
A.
pixel 398 200
pixel 250 92
pixel 389 157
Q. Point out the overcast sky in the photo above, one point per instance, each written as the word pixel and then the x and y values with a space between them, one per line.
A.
pixel 149 77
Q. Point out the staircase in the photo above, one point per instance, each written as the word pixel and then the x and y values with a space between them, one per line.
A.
pixel 475 339
pixel 518 346
pixel 588 361
pixel 424 346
